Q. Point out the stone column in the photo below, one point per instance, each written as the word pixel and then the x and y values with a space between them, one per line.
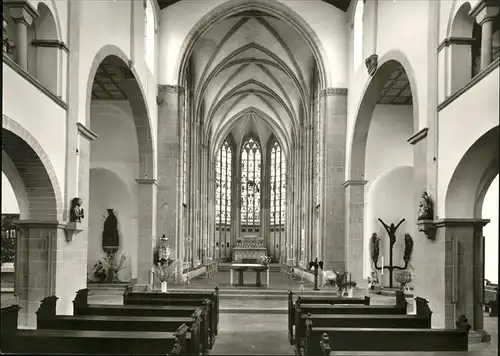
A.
pixel 354 227
pixel 462 270
pixel 334 176
pixel 147 228
pixel 47 264
pixel 23 14
pixel 170 210
pixel 485 12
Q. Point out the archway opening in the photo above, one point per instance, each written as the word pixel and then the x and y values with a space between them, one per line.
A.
pixel 124 150
pixel 381 153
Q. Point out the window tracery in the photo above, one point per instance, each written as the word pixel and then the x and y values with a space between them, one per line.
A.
pixel 251 164
pixel 277 206
pixel 223 172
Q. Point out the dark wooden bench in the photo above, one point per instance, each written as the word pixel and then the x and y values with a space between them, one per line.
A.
pixel 197 343
pixel 323 340
pixel 131 297
pixel 420 321
pixel 81 307
pixel 298 308
pixel 69 342
pixel 8 317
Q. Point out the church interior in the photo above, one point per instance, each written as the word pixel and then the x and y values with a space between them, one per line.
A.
pixel 267 177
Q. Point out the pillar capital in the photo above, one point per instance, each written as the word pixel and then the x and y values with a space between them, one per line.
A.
pixel 485 10
pixel 455 222
pixel 349 183
pixel 169 89
pixel 333 92
pixel 147 181
pixel 21 11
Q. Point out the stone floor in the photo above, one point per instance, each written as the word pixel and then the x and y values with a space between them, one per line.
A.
pixel 247 327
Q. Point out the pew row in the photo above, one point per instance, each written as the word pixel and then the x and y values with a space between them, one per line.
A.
pixel 91 342
pixel 318 299
pixel 198 333
pixel 298 309
pixel 330 341
pixel 132 297
pixel 81 307
pixel 420 321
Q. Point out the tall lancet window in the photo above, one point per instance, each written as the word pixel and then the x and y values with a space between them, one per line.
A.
pixel 223 188
pixel 251 163
pixel 277 203
pixel 185 134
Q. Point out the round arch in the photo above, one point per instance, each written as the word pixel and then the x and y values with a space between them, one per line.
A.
pixel 370 96
pixel 138 103
pixel 234 7
pixel 473 175
pixel 41 181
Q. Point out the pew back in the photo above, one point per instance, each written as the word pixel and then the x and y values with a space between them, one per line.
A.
pixel 384 339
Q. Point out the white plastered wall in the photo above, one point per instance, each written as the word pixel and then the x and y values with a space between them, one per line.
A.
pixel 409 46
pixel 461 124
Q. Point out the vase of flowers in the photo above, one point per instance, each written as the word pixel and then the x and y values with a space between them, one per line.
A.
pixel 164 269
pixel 265 260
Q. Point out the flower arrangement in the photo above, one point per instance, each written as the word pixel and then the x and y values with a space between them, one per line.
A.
pixel 164 269
pixel 265 260
pixel 113 266
pixel 342 281
pixel 99 272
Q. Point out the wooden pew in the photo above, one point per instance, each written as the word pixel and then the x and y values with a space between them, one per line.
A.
pixel 297 309
pixel 131 297
pixel 71 342
pixel 420 321
pixel 81 307
pixel 8 317
pixel 324 340
pixel 196 344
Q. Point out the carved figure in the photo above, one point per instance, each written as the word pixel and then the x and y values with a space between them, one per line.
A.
pixel 110 238
pixel 391 230
pixel 425 209
pixel 408 248
pixel 76 211
pixel 375 242
pixel 462 323
pixel 372 64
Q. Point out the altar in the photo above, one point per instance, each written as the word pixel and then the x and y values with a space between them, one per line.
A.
pixel 242 267
pixel 249 249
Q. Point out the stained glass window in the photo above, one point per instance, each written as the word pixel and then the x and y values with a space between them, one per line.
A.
pixel 277 203
pixel 251 163
pixel 223 186
pixel 318 148
pixel 185 149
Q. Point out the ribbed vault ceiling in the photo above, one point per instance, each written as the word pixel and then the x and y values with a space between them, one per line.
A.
pixel 252 73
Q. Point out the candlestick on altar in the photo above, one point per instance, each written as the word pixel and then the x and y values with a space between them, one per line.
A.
pixel 382 270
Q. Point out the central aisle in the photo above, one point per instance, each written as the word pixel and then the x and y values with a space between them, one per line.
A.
pixel 252 334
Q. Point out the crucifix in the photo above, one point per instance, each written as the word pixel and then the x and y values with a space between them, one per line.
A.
pixel 391 231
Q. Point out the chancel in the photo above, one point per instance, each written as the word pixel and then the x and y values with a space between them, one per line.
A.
pixel 250 176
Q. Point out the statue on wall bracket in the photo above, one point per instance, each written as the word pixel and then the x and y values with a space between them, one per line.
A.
pixel 372 64
pixel 76 210
pixel 425 208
